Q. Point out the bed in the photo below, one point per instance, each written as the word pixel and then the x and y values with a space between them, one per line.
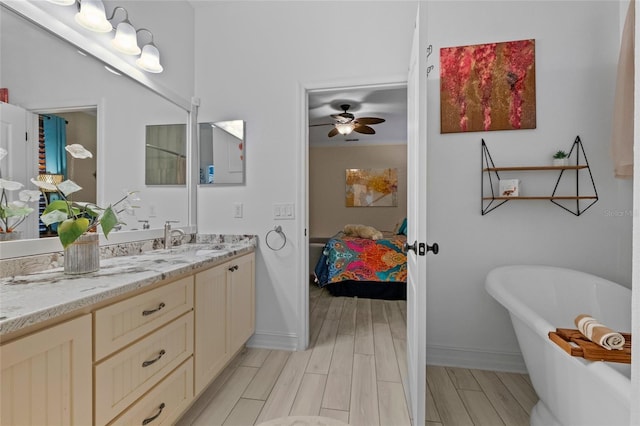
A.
pixel 353 266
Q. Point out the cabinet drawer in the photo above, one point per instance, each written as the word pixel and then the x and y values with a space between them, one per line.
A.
pixel 126 376
pixel 164 403
pixel 119 324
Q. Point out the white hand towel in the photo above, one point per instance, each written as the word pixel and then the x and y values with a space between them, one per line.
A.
pixel 598 333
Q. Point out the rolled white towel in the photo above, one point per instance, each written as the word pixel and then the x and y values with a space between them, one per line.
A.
pixel 598 333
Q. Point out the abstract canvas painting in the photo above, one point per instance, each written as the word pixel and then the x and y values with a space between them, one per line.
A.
pixel 371 187
pixel 488 86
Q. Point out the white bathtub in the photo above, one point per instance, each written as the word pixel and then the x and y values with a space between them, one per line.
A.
pixel 572 391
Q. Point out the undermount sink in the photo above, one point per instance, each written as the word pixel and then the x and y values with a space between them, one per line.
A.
pixel 198 249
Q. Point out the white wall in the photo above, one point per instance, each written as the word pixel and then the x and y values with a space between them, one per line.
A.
pixel 327 211
pixel 252 58
pixel 577 47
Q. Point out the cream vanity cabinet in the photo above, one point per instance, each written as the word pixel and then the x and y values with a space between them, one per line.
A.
pixel 46 376
pixel 140 360
pixel 225 315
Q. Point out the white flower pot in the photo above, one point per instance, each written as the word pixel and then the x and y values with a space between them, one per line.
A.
pixel 560 161
pixel 83 255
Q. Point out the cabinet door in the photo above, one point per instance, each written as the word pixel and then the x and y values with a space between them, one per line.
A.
pixel 242 300
pixel 211 318
pixel 46 377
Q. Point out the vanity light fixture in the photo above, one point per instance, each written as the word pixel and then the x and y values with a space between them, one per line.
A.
pixel 149 60
pixel 345 128
pixel 93 17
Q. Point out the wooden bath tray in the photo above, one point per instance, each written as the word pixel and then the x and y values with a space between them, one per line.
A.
pixel 587 349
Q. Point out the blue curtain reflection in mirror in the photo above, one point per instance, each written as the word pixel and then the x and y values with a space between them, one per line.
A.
pixel 55 139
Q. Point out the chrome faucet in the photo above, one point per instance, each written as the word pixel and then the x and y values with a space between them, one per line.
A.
pixel 168 233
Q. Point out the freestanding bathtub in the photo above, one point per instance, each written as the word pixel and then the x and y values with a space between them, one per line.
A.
pixel 572 391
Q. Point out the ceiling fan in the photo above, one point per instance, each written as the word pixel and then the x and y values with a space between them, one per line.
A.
pixel 346 122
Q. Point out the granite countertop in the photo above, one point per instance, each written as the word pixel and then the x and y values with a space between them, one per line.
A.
pixel 31 299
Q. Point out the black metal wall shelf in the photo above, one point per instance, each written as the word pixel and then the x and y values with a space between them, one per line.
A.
pixel 493 201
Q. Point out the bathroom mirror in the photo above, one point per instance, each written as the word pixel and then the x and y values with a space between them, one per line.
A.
pixel 166 154
pixel 44 73
pixel 222 152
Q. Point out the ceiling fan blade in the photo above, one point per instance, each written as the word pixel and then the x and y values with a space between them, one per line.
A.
pixel 364 129
pixel 323 124
pixel 370 120
pixel 333 132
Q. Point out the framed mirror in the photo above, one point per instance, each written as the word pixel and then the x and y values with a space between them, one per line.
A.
pixel 222 152
pixel 123 108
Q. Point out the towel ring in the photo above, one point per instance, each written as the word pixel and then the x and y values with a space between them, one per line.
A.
pixel 278 230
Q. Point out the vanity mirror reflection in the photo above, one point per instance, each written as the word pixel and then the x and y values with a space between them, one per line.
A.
pixel 45 73
pixel 222 152
pixel 166 154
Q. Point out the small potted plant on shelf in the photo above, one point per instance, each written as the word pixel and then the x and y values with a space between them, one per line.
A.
pixel 560 158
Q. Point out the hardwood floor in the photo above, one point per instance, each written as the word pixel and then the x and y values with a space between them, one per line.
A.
pixel 355 371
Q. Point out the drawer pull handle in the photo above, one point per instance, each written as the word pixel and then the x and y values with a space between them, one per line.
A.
pixel 233 268
pixel 160 306
pixel 148 363
pixel 150 419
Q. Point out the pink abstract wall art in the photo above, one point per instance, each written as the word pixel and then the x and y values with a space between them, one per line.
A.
pixel 487 87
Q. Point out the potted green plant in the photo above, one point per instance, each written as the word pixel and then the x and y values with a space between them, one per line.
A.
pixel 560 158
pixel 77 221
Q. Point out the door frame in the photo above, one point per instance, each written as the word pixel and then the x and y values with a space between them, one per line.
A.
pixel 303 182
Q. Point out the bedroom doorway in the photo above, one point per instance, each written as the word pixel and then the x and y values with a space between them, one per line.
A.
pixel 328 156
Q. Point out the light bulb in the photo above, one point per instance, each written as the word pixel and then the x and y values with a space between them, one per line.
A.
pixel 150 59
pixel 126 40
pixel 345 128
pixel 92 16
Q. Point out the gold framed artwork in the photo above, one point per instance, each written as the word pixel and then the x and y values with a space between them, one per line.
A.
pixel 486 87
pixel 371 188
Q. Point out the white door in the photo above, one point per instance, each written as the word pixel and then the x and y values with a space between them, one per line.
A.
pixel 20 163
pixel 417 222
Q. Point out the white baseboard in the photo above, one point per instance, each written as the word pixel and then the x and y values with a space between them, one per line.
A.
pixel 276 341
pixel 436 355
pixel 473 358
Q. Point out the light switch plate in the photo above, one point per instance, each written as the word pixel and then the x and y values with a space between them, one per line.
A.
pixel 237 210
pixel 283 211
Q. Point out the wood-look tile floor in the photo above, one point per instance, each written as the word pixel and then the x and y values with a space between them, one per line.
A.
pixel 355 371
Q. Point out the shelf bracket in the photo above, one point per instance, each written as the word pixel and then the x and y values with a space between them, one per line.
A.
pixel 487 162
pixel 578 148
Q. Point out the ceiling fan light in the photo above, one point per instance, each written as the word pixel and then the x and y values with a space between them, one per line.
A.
pixel 126 40
pixel 345 128
pixel 93 17
pixel 150 59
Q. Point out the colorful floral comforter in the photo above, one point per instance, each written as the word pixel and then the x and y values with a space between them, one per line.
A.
pixel 346 258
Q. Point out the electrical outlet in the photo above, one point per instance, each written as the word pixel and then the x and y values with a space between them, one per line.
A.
pixel 237 210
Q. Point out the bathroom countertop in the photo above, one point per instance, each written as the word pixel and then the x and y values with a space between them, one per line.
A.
pixel 31 299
